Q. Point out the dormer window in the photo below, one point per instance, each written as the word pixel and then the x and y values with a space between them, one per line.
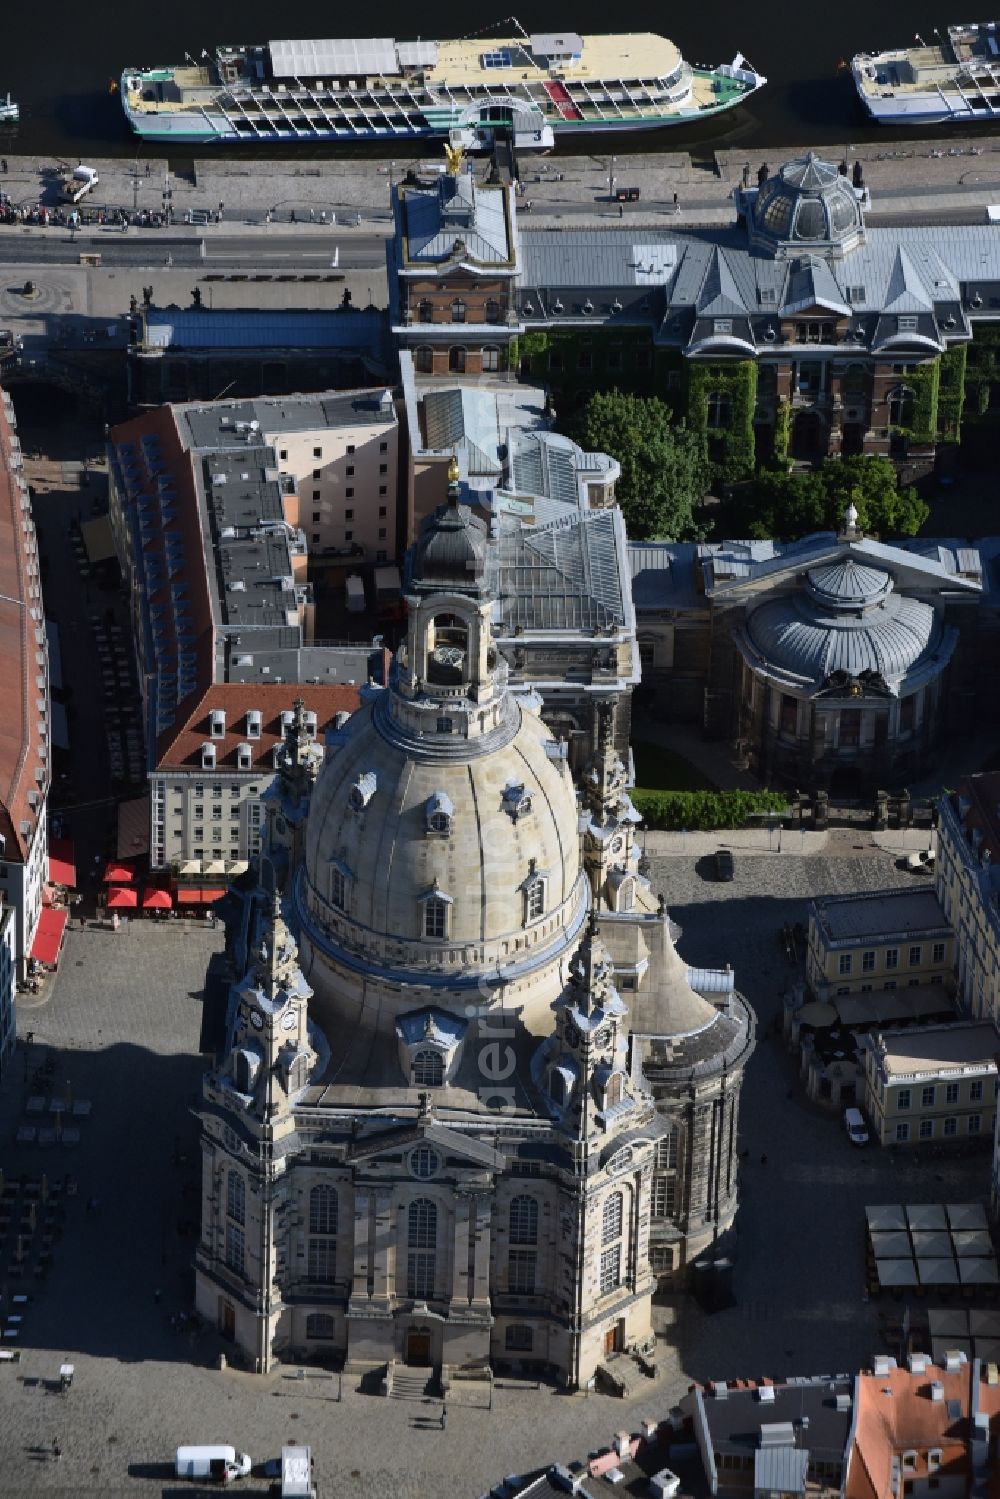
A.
pixel 287 718
pixel 440 815
pixel 253 723
pixel 516 801
pixel 217 720
pixel 363 790
pixel 244 757
pixel 208 756
pixel 312 723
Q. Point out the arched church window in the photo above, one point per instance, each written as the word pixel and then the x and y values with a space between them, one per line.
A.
pixel 458 310
pixel 322 1246
pixel 323 1210
pixel 421 1242
pixel 611 1223
pixel 236 1197
pixel 557 1088
pixel 435 917
pixel 428 1069
pixel 666 1152
pixel 902 404
pixel 320 1326
pixel 524 1220
pixel 338 889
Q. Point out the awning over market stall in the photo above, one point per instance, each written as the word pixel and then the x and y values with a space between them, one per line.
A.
pixel 885 1218
pixel 62 862
pixel 896 1272
pixel 118 873
pixel 191 896
pixel 122 897
pixel 49 935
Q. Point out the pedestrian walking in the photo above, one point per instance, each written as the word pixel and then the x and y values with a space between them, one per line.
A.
pixel 444 1418
pixel 621 210
pixel 676 204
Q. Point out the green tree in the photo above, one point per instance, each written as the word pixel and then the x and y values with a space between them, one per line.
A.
pixel 664 474
pixel 786 506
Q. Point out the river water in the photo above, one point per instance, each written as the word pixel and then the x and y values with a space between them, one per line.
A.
pixel 60 71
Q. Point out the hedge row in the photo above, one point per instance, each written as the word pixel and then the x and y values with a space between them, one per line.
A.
pixel 704 810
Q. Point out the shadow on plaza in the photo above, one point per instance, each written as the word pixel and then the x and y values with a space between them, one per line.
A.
pixel 120 1281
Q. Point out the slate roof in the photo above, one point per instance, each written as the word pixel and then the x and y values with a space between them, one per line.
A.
pixel 456 209
pixel 942 274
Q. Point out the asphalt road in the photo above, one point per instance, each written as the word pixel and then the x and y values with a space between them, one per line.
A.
pixel 151 248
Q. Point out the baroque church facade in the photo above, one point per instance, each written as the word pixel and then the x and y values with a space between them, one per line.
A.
pixel 472 1104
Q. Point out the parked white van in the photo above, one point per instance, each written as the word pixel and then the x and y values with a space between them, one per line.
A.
pixel 857 1129
pixel 217 1463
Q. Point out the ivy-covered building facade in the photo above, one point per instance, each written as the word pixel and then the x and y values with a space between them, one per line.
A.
pixel 798 332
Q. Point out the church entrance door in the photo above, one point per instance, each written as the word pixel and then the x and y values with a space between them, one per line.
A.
pixel 418 1347
pixel 612 1339
pixel 227 1319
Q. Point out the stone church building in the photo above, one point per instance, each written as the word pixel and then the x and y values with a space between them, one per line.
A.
pixel 472 1104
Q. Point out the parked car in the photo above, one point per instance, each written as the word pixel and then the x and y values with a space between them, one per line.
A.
pixel 857 1129
pixel 725 868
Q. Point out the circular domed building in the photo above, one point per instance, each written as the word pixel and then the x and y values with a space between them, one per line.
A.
pixel 807 206
pixel 442 854
pixel 843 679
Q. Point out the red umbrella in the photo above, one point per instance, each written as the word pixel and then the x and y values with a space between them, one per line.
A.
pixel 121 897
pixel 156 900
pixel 119 874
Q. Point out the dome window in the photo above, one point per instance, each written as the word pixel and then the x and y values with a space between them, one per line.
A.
pixel 516 801
pixel 428 1069
pixel 534 895
pixel 440 815
pixel 363 790
pixel 340 886
pixel 436 914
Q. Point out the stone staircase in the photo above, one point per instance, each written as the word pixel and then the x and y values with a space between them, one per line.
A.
pixel 406 1383
pixel 622 1375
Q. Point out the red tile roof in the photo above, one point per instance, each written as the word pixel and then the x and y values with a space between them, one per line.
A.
pixel 896 1414
pixel 22 746
pixel 180 745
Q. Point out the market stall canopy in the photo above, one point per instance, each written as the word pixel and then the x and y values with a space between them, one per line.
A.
pixel 966 1215
pixel 979 1272
pixel 896 1272
pixel 940 1272
pixel 948 1322
pixel 931 1245
pixel 892 1246
pixel 118 873
pixel 925 1215
pixel 62 862
pixel 885 1218
pixel 122 897
pixel 49 935
pixel 973 1243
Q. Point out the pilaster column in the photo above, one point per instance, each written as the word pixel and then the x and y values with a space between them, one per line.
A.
pixel 384 1243
pixel 460 1253
pixel 362 1207
pixel 481 1269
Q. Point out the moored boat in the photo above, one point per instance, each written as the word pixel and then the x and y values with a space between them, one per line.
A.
pixel 954 78
pixel 9 111
pixel 532 87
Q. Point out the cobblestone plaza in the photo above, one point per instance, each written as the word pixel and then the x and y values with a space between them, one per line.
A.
pixel 125 1018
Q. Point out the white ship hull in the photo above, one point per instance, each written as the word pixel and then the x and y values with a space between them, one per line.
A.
pixel 952 81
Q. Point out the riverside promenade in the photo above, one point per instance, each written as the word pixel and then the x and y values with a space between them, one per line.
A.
pixel 950 177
